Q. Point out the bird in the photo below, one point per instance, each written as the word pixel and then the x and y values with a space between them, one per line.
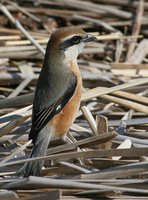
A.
pixel 58 92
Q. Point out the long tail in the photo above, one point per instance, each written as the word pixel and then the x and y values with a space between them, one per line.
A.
pixel 34 168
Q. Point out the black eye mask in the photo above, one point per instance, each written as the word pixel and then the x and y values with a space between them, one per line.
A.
pixel 70 42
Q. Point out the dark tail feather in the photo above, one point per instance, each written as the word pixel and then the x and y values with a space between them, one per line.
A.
pixel 34 168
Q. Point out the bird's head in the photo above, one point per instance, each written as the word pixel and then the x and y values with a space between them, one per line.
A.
pixel 69 41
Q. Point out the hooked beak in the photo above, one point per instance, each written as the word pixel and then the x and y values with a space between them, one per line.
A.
pixel 89 38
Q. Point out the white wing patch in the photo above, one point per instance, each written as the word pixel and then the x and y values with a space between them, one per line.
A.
pixel 58 108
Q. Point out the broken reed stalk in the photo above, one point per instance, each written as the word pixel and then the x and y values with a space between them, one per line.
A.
pixel 90 119
pixel 97 8
pixel 22 100
pixel 96 92
pixel 20 87
pixel 96 21
pixel 130 96
pixel 38 182
pixel 21 28
pixel 13 124
pixel 87 142
pixel 136 27
pixel 126 103
pixel 118 172
pixel 92 93
pixel 87 154
pixel 15 115
pixel 24 11
pixel 16 152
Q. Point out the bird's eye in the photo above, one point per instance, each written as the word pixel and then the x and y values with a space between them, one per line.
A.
pixel 76 39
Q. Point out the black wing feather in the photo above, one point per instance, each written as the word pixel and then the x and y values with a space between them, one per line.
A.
pixel 42 117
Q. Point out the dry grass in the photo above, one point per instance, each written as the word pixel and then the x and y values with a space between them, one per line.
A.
pixel 108 156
